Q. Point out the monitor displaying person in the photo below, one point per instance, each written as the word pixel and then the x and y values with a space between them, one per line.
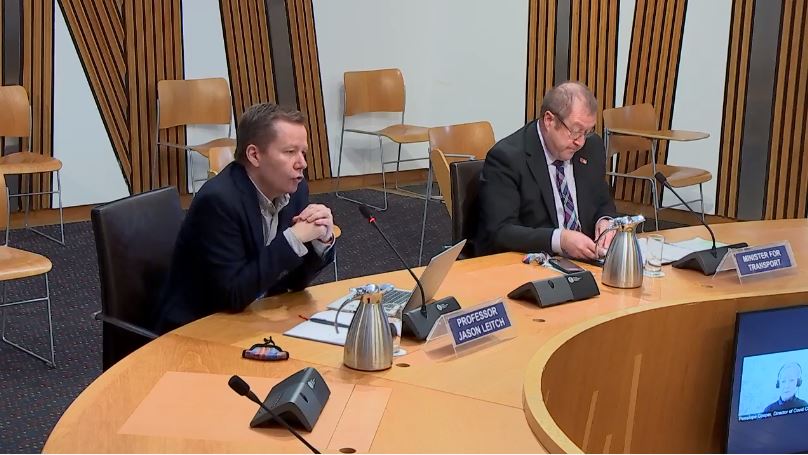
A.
pixel 768 411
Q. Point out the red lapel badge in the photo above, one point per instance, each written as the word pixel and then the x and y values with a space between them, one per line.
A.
pixel 582 160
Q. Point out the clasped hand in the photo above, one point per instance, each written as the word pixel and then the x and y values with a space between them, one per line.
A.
pixel 315 222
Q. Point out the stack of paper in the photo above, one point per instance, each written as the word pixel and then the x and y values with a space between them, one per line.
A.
pixel 672 252
pixel 320 327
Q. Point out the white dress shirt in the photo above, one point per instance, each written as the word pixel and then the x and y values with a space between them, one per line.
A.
pixel 569 174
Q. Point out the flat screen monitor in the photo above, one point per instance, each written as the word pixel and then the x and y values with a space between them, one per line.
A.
pixel 768 411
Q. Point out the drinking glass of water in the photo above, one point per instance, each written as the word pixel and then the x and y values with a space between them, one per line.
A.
pixel 653 255
pixel 394 318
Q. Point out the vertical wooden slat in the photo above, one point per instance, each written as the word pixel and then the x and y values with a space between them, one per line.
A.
pixel 146 25
pixel 611 57
pixel 549 50
pixel 97 33
pixel 728 117
pixel 249 29
pixel 532 58
pixel 777 114
pixel 651 78
pixel 541 54
pixel 178 70
pixel 308 85
pixel 802 194
pixel 788 126
pixel 594 33
pixel 37 78
pixel 575 34
pixel 47 98
pixel 246 34
pixel 786 187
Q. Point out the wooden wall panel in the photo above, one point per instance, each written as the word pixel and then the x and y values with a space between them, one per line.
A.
pixel 788 155
pixel 651 78
pixel 153 37
pixel 734 104
pixel 309 87
pixel 249 61
pixel 97 33
pixel 541 42
pixel 593 49
pixel 37 78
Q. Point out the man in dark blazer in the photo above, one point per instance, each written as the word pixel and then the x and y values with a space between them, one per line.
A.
pixel 542 188
pixel 250 231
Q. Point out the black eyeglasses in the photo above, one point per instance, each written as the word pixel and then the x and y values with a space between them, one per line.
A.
pixel 574 135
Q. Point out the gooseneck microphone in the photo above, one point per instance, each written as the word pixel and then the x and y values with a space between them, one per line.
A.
pixel 664 181
pixel 417 322
pixel 242 388
pixel 372 220
pixel 705 261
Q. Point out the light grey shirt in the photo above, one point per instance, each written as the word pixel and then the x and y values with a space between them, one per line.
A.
pixel 269 214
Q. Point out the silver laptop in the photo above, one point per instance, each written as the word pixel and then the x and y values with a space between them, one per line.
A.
pixel 431 279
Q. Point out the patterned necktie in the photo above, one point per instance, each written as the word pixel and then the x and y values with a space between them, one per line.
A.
pixel 570 218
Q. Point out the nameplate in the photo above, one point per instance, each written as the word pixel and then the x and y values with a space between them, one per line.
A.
pixel 477 323
pixel 764 259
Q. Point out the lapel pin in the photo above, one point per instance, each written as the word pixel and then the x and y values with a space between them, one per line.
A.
pixel 582 160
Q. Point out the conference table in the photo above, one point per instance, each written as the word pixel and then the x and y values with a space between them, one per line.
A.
pixel 631 370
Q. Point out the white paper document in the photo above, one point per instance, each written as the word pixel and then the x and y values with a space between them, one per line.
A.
pixel 697 244
pixel 320 327
pixel 672 252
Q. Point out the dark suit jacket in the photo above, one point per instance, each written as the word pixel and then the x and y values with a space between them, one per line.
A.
pixel 220 262
pixel 517 209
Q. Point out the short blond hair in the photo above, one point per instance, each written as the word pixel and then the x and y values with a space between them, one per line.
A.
pixel 257 126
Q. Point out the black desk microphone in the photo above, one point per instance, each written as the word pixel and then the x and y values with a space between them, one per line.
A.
pixel 705 261
pixel 242 388
pixel 372 220
pixel 416 322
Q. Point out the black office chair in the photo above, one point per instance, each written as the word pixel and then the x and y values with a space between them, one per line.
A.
pixel 465 182
pixel 135 239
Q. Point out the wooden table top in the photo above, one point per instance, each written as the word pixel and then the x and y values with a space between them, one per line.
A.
pixel 667 135
pixel 437 402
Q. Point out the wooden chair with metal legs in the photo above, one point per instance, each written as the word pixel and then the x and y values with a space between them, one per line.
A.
pixel 15 121
pixel 635 128
pixel 193 102
pixel 466 141
pixel 219 158
pixel 17 264
pixel 372 92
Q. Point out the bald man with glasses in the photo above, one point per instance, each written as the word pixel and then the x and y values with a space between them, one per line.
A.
pixel 543 188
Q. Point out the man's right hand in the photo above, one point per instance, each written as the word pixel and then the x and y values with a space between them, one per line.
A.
pixel 577 245
pixel 306 231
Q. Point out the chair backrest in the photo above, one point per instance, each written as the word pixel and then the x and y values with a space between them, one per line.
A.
pixel 474 139
pixel 638 116
pixel 373 91
pixel 4 213
pixel 219 158
pixel 465 186
pixel 134 239
pixel 440 167
pixel 193 102
pixel 15 114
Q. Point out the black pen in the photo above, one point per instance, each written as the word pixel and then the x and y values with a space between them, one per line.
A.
pixel 327 322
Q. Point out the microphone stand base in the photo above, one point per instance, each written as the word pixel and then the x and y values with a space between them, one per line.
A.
pixel 706 261
pixel 418 325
